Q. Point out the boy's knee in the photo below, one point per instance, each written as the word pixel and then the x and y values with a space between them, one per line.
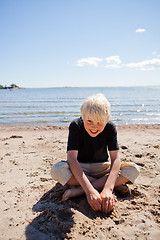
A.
pixel 135 169
pixel 130 171
pixel 60 172
pixel 54 170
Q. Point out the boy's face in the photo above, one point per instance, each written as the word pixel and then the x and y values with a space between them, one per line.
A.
pixel 93 128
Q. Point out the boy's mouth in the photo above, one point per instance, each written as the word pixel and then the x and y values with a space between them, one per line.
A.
pixel 94 131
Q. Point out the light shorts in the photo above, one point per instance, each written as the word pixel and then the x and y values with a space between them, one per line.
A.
pixel 61 171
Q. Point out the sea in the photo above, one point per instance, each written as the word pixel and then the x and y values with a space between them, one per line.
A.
pixel 59 106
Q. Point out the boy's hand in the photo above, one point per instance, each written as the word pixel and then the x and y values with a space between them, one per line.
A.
pixel 107 200
pixel 94 200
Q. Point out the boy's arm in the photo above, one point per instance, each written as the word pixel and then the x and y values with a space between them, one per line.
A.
pixel 115 167
pixel 92 194
pixel 106 194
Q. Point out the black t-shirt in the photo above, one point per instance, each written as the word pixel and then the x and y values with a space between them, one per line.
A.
pixel 92 149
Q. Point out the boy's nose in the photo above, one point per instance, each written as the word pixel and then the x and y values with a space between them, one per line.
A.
pixel 94 126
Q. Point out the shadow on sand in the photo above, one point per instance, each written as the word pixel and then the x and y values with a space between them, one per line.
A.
pixel 56 218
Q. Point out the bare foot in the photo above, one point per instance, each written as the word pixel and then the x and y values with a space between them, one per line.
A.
pixel 66 195
pixel 73 192
pixel 122 189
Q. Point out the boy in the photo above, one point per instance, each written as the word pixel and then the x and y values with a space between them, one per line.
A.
pixel 92 139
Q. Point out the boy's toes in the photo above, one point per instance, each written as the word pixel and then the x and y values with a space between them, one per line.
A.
pixel 66 195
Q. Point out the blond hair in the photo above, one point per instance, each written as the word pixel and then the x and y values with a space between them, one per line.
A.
pixel 96 108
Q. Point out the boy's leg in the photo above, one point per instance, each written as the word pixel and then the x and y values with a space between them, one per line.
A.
pixel 61 173
pixel 98 184
pixel 73 181
pixel 76 189
pixel 128 173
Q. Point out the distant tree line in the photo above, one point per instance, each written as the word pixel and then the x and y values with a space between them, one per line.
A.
pixel 10 87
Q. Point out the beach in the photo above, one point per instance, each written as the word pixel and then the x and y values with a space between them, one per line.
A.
pixel 31 206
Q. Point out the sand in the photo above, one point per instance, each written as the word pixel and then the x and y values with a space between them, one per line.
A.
pixel 30 201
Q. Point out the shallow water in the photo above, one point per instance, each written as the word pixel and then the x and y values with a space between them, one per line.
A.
pixel 59 106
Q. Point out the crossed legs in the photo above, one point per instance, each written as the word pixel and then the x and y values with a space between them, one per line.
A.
pixel 76 190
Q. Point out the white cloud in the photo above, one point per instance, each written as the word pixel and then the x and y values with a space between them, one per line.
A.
pixel 140 30
pixel 113 62
pixel 89 61
pixel 152 64
pixel 113 59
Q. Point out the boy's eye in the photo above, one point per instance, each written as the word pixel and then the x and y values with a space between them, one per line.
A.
pixel 89 121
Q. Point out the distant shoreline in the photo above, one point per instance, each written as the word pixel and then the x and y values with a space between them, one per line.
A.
pixel 149 86
pixel 11 88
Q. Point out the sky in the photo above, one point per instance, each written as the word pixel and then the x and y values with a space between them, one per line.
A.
pixel 75 43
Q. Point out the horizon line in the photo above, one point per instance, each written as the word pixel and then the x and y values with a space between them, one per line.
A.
pixel 96 86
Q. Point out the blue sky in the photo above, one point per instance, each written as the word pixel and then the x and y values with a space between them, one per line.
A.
pixel 55 43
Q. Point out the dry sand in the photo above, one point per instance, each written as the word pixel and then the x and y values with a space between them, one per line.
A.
pixel 31 206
